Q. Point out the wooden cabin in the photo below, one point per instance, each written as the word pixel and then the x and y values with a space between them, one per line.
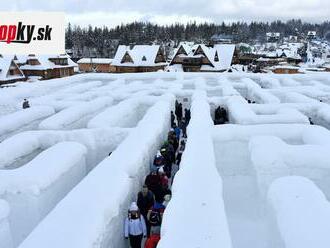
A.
pixel 9 70
pixel 140 58
pixel 47 67
pixel 202 58
pixel 285 69
pixel 103 65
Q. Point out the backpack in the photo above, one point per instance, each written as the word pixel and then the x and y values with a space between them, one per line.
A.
pixel 155 218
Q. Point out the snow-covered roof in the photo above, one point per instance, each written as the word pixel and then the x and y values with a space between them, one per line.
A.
pixel 6 61
pixel 45 62
pixel 225 54
pixel 95 61
pixel 312 33
pixel 273 34
pixel 141 55
pixel 290 67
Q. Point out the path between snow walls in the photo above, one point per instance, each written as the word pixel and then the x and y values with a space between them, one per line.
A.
pixel 34 189
pixel 23 147
pixel 92 214
pixel 250 159
pixel 195 216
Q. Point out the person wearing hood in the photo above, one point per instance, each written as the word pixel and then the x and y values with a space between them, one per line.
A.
pixel 135 226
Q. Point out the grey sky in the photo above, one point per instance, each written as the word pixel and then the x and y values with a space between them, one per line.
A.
pixel 111 12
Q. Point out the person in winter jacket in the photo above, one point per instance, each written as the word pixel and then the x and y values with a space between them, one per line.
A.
pixel 155 216
pixel 163 178
pixel 172 119
pixel 154 238
pixel 153 183
pixel 135 226
pixel 26 104
pixel 183 127
pixel 178 112
pixel 187 115
pixel 177 131
pixel 158 161
pixel 180 152
pixel 145 201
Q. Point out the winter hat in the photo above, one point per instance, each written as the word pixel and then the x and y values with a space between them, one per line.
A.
pixel 133 207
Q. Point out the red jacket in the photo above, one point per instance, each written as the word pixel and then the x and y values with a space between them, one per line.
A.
pixel 152 241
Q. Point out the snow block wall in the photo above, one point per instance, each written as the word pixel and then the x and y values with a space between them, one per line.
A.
pixel 12 122
pixel 125 114
pixel 240 112
pixel 69 116
pixel 17 150
pixel 309 160
pixel 301 211
pixel 5 233
pixel 129 115
pixel 195 218
pixel 34 189
pixel 106 192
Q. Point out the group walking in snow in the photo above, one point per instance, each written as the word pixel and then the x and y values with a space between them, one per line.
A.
pixel 145 216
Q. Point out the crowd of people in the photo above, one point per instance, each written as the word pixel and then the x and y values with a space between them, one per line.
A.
pixel 145 216
pixel 220 116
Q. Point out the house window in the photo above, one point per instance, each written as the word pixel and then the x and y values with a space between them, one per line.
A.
pixel 144 58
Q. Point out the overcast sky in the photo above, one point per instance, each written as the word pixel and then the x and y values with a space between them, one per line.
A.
pixel 114 12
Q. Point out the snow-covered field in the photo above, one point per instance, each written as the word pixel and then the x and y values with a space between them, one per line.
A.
pixel 261 181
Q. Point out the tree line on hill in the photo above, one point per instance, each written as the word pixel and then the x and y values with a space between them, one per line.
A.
pixel 103 41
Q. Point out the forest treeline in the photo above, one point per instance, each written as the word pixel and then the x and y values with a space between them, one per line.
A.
pixel 103 41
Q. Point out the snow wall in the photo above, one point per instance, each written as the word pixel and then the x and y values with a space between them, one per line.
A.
pixel 106 192
pixel 22 147
pixel 190 206
pixel 14 121
pixel 67 117
pixel 301 211
pixel 5 234
pixel 125 114
pixel 34 189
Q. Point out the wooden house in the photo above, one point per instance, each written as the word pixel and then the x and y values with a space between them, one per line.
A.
pixel 103 65
pixel 9 70
pixel 47 67
pixel 139 58
pixel 285 69
pixel 202 58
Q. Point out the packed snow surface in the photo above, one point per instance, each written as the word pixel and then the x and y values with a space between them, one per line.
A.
pixel 260 180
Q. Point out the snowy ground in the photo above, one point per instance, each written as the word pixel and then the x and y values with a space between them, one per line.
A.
pixel 260 181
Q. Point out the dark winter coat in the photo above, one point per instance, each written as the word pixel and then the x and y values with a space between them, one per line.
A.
pixel 26 105
pixel 154 184
pixel 145 202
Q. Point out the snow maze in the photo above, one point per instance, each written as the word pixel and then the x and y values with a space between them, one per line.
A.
pixel 261 180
